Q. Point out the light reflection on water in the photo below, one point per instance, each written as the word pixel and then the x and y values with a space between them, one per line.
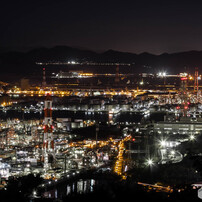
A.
pixel 78 187
pixel 100 116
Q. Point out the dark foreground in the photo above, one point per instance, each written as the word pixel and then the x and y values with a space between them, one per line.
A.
pixel 110 187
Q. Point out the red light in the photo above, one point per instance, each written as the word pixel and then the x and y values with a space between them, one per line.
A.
pixel 186 107
pixel 133 139
pixel 177 107
pixel 184 78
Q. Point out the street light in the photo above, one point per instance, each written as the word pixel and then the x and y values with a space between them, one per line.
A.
pixel 162 74
pixel 149 162
pixel 34 193
pixel 172 152
pixel 192 137
pixel 163 143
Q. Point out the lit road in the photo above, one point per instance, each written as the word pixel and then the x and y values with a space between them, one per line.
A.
pixel 156 187
pixel 119 162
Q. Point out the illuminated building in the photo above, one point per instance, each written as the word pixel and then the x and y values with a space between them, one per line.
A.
pixel 184 126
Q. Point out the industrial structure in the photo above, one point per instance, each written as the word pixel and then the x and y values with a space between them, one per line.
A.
pixel 48 142
pixel 196 80
pixel 117 79
pixel 184 95
pixel 44 77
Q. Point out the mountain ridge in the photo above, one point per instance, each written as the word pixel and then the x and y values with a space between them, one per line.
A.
pixel 23 63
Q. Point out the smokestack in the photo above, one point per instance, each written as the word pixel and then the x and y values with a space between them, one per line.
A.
pixel 48 142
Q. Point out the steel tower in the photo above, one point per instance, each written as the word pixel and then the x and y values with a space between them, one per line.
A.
pixel 44 78
pixel 184 96
pixel 196 80
pixel 48 142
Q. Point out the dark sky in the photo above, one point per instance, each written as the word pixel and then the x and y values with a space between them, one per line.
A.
pixel 133 26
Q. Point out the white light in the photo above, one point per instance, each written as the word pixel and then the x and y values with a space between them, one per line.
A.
pixel 150 162
pixel 163 143
pixel 162 74
pixel 172 152
pixel 34 193
pixel 192 137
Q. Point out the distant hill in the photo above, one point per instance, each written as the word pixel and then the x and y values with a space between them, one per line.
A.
pixel 15 64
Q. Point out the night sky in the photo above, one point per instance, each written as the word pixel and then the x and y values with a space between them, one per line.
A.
pixel 132 26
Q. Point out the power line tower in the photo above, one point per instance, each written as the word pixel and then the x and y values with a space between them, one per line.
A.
pixel 96 141
pixel 196 80
pixel 44 78
pixel 117 79
pixel 184 101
